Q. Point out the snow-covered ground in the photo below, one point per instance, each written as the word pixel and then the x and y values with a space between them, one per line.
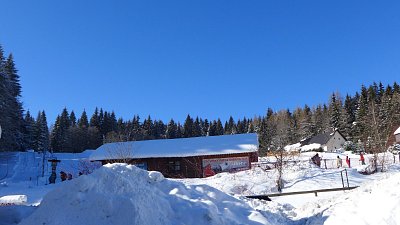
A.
pixel 148 198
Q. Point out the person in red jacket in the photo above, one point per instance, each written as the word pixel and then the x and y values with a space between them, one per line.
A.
pixel 348 161
pixel 208 171
pixel 362 159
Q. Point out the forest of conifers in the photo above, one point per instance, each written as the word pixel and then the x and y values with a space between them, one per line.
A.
pixel 368 116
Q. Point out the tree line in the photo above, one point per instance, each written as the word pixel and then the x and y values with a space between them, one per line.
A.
pixel 72 134
pixel 367 117
pixel 367 120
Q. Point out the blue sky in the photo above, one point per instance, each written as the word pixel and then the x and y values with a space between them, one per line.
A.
pixel 207 58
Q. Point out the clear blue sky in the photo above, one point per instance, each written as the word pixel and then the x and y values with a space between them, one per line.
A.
pixel 207 58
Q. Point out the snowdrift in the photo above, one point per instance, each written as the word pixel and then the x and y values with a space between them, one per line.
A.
pixel 124 194
pixel 375 203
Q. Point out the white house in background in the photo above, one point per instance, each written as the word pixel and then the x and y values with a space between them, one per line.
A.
pixel 329 142
pixel 397 135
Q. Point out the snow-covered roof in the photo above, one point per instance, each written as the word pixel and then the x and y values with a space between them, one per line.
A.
pixel 397 131
pixel 182 147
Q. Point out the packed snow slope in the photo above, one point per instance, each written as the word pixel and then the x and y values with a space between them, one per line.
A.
pixel 377 202
pixel 124 194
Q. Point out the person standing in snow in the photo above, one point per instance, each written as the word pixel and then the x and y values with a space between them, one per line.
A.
pixel 348 161
pixel 316 160
pixel 362 159
pixel 338 162
pixel 63 176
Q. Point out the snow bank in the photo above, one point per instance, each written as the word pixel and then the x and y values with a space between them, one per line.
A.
pixel 13 214
pixel 13 200
pixel 123 194
pixel 374 203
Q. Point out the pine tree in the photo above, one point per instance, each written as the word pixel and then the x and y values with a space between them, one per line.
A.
pixel 197 128
pixel 188 128
pixel 148 129
pixel 95 120
pixel 59 139
pixel 219 128
pixel 29 131
pixel 204 127
pixel 212 130
pixel 41 133
pixel 307 126
pixel 349 116
pixel 72 118
pixel 335 112
pixel 179 133
pixel 11 112
pixel 171 132
pixel 230 127
pixel 83 121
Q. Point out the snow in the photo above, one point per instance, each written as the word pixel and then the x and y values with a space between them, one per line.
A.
pixel 310 147
pixel 181 147
pixel 146 197
pixel 121 194
pixel 13 199
pixel 293 147
pixel 304 148
pixel 397 131
pixel 377 202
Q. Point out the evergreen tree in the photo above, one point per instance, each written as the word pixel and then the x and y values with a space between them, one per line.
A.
pixel 219 128
pixel 335 112
pixel 212 130
pixel 171 132
pixel 95 120
pixel 197 128
pixel 59 138
pixel 307 126
pixel 83 121
pixel 41 133
pixel 29 131
pixel 72 118
pixel 204 127
pixel 148 129
pixel 179 133
pixel 188 128
pixel 11 112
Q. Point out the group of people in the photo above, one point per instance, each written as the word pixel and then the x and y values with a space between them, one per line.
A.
pixel 316 159
pixel 64 176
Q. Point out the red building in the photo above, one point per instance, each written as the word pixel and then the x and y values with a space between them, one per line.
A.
pixel 185 157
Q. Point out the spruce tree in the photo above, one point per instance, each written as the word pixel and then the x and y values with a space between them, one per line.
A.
pixel 219 128
pixel 41 133
pixel 188 128
pixel 72 119
pixel 197 128
pixel 29 132
pixel 83 121
pixel 171 132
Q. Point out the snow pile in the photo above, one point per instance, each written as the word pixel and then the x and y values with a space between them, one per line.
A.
pixel 293 147
pixel 123 194
pixel 13 199
pixel 375 203
pixel 310 147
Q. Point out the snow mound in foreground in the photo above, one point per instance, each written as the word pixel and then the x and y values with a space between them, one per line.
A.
pixel 375 203
pixel 124 194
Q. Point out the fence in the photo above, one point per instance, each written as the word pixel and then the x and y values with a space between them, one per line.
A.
pixel 332 163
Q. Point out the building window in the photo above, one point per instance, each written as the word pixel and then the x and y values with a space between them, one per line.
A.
pixel 174 166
